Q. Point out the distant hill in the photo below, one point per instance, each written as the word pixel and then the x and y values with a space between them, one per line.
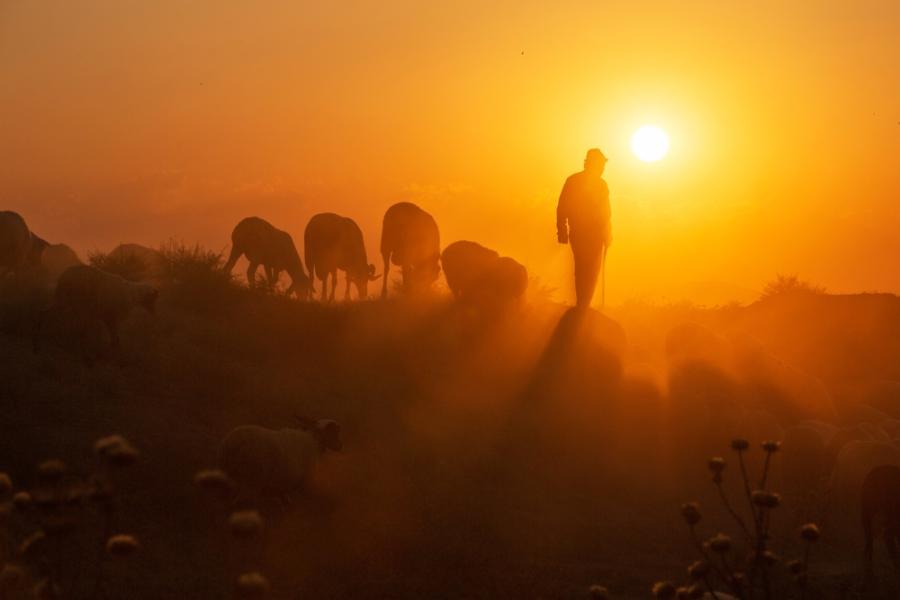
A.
pixel 702 293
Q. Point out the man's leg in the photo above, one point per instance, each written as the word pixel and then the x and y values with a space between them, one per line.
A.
pixel 587 267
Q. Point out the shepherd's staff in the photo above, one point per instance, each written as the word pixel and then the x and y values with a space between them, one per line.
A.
pixel 603 276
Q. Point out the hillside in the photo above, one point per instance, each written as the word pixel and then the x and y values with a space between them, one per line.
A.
pixel 523 452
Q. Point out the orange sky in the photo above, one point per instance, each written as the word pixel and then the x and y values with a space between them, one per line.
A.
pixel 140 121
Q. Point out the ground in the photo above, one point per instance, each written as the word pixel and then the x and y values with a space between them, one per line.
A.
pixel 488 453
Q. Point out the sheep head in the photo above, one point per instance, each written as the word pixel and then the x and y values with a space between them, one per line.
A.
pixel 147 296
pixel 327 432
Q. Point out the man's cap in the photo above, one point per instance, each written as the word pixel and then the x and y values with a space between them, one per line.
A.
pixel 595 154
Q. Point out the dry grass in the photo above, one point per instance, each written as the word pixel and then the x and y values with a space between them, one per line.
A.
pixel 516 454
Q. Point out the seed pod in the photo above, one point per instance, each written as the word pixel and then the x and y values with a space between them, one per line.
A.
pixel 664 590
pixel 796 566
pixel 214 480
pixel 33 546
pixel 50 472
pixel 122 545
pixel 698 569
pixel 810 532
pixel 22 501
pixel 691 513
pixel 739 444
pixel 252 585
pixel 12 578
pixel 720 543
pixel 116 451
pixel 245 524
pixel 771 446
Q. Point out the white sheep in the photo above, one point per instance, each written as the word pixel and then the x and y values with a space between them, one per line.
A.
pixel 275 462
pixel 92 295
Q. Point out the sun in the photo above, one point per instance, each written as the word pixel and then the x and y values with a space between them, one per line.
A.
pixel 650 143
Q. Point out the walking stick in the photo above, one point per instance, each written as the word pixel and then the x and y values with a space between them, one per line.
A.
pixel 603 277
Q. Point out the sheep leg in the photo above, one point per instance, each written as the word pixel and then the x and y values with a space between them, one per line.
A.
pixel 324 280
pixel 890 540
pixel 251 274
pixel 869 534
pixel 232 259
pixel 38 327
pixel 272 275
pixel 347 289
pixel 387 268
pixel 333 284
pixel 112 325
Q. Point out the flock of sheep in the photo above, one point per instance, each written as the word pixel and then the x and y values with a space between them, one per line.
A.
pixel 410 240
pixel 264 461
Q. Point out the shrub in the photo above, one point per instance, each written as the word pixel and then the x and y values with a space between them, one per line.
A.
pixel 790 284
pixel 125 265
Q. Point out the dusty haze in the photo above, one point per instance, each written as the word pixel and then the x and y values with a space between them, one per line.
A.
pixel 139 122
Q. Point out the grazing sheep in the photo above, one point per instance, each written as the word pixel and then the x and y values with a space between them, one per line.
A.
pixel 476 272
pixel 465 264
pixel 410 239
pixel 854 462
pixel 56 258
pixel 273 248
pixel 333 242
pixel 881 496
pixel 19 247
pixel 275 462
pixel 90 294
pixel 509 278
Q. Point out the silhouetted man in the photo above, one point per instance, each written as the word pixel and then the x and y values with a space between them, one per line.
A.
pixel 582 220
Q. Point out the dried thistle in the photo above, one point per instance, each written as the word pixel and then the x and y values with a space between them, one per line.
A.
pixel 21 501
pixel 214 480
pixel 122 545
pixel 691 513
pixel 740 444
pixel 245 523
pixel 116 451
pixel 810 532
pixel 766 558
pixel 765 499
pixel 12 578
pixel 664 590
pixel 33 545
pixel 698 569
pixel 598 592
pixel 720 543
pixel 771 446
pixel 50 472
pixel 252 585
pixel 796 566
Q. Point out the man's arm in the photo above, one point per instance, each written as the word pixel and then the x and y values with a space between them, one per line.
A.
pixel 562 215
